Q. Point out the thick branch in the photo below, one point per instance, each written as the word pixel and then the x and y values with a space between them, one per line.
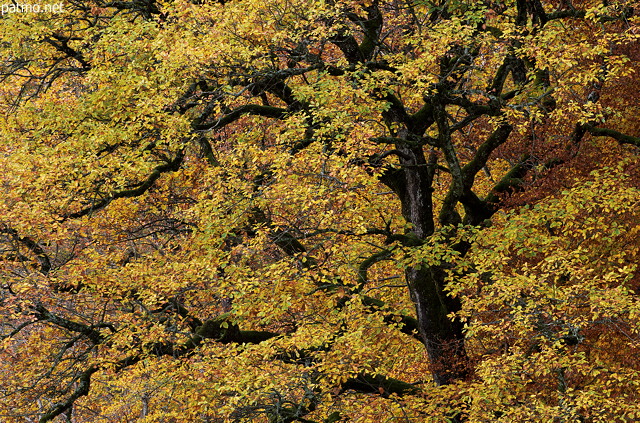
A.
pixel 62 45
pixel 226 332
pixel 83 383
pixel 448 213
pixel 371 27
pixel 379 384
pixel 147 8
pixel 34 247
pixel 172 166
pixel 618 136
pixel 248 109
pixel 408 141
pixel 510 180
pixel 349 47
pixel 581 14
pixel 42 314
pixel 407 324
pixel 497 138
pixel 363 269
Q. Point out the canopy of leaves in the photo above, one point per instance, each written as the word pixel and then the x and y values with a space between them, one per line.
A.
pixel 320 211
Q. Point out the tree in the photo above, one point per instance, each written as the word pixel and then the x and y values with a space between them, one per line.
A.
pixel 243 210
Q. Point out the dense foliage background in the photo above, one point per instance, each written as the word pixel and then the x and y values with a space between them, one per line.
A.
pixel 320 211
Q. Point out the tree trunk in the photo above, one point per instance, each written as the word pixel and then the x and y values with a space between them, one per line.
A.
pixel 443 337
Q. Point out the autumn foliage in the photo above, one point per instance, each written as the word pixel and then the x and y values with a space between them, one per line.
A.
pixel 320 211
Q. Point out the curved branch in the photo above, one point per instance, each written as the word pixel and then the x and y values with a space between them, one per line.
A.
pixel 247 109
pixel 82 389
pixel 618 136
pixel 408 141
pixel 371 26
pixel 62 45
pixel 379 384
pixel 581 14
pixel 497 138
pixel 34 247
pixel 226 332
pixel 147 8
pixel 44 315
pixel 172 166
pixel 407 324
pixel 363 277
pixel 396 152
pixel 512 179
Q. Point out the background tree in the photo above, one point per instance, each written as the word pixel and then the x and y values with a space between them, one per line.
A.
pixel 236 210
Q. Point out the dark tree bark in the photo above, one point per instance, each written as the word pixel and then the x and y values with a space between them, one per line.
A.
pixel 442 337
